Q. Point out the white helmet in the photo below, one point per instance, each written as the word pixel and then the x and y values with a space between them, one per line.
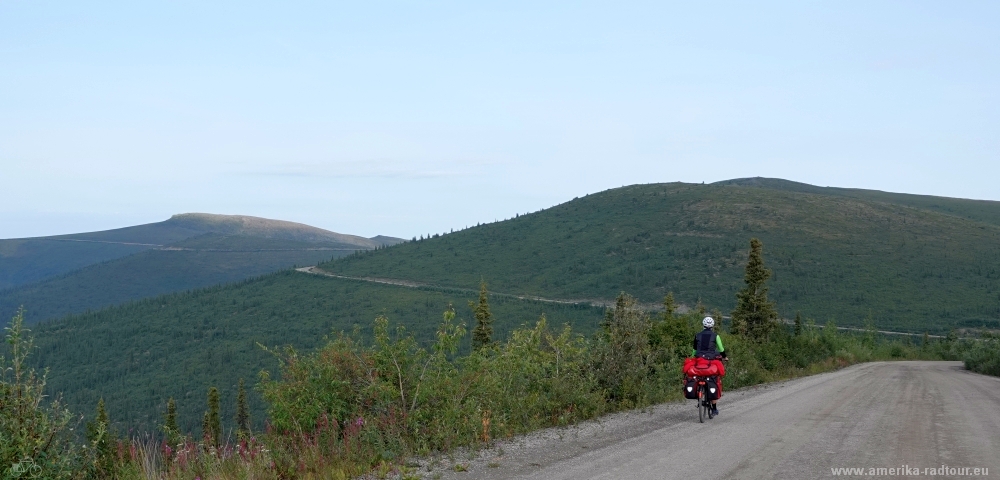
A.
pixel 708 322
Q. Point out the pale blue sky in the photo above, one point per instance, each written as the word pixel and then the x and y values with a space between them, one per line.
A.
pixel 409 118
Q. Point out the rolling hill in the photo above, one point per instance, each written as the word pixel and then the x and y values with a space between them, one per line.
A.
pixel 228 249
pixel 29 260
pixel 912 263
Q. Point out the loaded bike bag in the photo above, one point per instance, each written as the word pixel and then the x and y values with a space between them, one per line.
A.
pixel 713 389
pixel 691 389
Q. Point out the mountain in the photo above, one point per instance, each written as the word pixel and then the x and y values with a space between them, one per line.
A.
pixel 910 262
pixel 29 260
pixel 243 225
pixel 187 251
pixel 197 262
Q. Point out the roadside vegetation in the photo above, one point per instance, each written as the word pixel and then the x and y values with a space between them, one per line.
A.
pixel 362 402
pixel 982 354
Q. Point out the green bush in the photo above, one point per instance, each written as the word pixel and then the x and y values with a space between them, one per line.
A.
pixel 983 356
pixel 35 437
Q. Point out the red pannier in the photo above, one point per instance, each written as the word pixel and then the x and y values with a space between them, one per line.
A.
pixel 703 367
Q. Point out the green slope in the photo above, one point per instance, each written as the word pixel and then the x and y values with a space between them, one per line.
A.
pixel 834 255
pixel 137 355
pixel 978 210
pixel 197 262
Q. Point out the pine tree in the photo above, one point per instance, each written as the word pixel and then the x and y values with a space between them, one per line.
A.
pixel 798 323
pixel 102 442
pixel 482 335
pixel 755 316
pixel 170 423
pixel 242 413
pixel 674 329
pixel 669 306
pixel 206 429
pixel 212 424
pixel 717 316
pixel 623 354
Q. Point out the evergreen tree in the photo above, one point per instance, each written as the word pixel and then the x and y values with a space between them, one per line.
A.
pixel 622 353
pixel 206 429
pixel 482 335
pixel 700 308
pixel 102 443
pixel 717 316
pixel 170 428
pixel 798 323
pixel 755 316
pixel 669 306
pixel 242 413
pixel 212 424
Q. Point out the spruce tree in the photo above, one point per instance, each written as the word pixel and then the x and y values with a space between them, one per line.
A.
pixel 242 413
pixel 717 316
pixel 755 316
pixel 674 328
pixel 170 428
pixel 206 429
pixel 102 442
pixel 669 306
pixel 482 335
pixel 212 424
pixel 798 323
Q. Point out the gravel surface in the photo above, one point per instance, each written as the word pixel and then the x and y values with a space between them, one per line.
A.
pixel 887 414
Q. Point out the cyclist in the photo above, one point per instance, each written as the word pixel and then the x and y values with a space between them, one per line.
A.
pixel 708 345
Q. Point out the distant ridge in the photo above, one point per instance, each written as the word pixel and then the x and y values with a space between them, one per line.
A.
pixel 266 228
pixel 383 240
pixel 25 261
pixel 55 276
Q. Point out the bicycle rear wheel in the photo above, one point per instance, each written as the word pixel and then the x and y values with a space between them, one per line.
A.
pixel 703 403
pixel 701 410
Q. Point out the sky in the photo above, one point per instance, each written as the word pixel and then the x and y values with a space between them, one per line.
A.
pixel 409 118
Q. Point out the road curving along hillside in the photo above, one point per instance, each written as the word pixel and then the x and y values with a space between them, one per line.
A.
pixel 913 415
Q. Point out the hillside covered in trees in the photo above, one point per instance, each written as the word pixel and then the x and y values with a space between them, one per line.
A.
pixel 138 355
pixel 914 263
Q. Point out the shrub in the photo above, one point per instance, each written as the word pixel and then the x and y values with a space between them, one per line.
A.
pixel 35 438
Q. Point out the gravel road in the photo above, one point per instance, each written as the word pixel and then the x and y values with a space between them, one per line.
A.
pixel 875 415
